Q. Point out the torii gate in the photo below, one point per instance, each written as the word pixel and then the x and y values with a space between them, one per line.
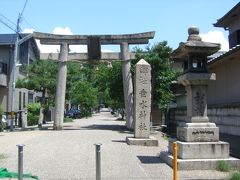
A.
pixel 93 43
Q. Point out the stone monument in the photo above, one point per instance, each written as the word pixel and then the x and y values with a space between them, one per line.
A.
pixel 142 106
pixel 197 138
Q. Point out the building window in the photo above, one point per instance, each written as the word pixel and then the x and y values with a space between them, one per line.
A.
pixel 234 38
pixel 20 101
pixel 30 98
pixel 3 68
pixel 23 53
pixel 24 100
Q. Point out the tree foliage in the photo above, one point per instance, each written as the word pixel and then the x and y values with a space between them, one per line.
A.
pixel 85 95
pixel 158 56
pixel 41 77
pixel 89 87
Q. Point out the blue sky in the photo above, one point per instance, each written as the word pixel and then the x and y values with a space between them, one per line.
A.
pixel 169 18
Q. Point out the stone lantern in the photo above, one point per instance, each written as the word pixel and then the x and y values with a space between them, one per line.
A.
pixel 193 54
pixel 197 138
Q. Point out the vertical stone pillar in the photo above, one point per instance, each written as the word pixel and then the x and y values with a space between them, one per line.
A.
pixel 142 99
pixel 61 87
pixel 127 84
pixel 142 106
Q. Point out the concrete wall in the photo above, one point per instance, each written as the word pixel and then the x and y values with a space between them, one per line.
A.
pixel 21 100
pixel 226 117
pixel 226 87
pixel 156 117
pixel 6 56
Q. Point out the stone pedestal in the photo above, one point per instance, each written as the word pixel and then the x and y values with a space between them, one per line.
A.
pixel 197 139
pixel 200 150
pixel 142 106
pixel 198 132
pixel 198 142
pixel 150 141
pixel 198 164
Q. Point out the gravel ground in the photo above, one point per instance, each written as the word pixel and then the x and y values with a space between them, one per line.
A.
pixel 70 153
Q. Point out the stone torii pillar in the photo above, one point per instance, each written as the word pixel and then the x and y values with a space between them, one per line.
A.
pixel 61 87
pixel 127 84
pixel 94 43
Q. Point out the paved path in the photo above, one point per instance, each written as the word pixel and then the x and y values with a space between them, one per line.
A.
pixel 70 154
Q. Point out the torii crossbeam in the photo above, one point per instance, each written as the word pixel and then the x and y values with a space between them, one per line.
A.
pixel 93 43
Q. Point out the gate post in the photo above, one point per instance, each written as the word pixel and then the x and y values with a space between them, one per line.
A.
pixel 61 87
pixel 127 84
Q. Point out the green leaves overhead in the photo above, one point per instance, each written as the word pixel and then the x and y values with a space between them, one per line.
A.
pixel 41 74
pixel 158 56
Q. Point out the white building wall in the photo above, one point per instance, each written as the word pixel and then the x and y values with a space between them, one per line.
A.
pixel 226 87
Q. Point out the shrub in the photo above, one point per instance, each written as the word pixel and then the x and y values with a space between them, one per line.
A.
pixel 68 119
pixel 223 166
pixel 33 113
pixel 235 176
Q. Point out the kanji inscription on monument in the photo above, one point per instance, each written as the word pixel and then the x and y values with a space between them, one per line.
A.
pixel 142 104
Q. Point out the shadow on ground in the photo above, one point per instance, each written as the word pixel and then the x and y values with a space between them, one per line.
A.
pixel 119 141
pixel 106 127
pixel 150 159
pixel 110 127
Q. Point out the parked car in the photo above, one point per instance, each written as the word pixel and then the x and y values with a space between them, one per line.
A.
pixel 74 113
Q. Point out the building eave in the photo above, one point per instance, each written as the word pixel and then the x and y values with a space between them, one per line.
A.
pixel 229 55
pixel 228 17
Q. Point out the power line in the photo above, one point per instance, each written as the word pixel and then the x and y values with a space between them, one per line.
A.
pixel 21 14
pixel 28 23
pixel 8 25
pixel 8 19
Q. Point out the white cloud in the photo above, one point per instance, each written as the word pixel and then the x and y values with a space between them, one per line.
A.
pixel 62 31
pixel 216 36
pixel 56 48
pixel 28 30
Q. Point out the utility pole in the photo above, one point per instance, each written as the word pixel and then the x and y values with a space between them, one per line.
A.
pixel 14 73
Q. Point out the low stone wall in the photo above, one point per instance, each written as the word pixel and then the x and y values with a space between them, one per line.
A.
pixel 226 116
pixel 174 117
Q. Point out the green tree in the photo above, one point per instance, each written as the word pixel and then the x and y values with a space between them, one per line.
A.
pixel 41 77
pixel 84 94
pixel 158 56
pixel 110 85
pixel 101 82
pixel 116 87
